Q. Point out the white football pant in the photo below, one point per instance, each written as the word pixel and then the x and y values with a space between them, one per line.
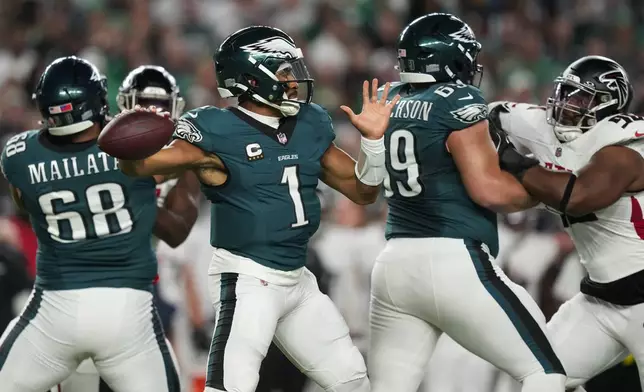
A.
pixel 117 327
pixel 422 287
pixel 302 322
pixel 590 336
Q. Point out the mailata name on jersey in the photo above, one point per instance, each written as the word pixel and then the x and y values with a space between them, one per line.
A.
pixel 92 222
pixel 57 169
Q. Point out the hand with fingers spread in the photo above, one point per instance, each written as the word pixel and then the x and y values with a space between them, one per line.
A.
pixel 373 120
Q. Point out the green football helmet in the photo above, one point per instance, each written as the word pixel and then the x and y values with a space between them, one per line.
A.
pixel 71 96
pixel 263 64
pixel 439 48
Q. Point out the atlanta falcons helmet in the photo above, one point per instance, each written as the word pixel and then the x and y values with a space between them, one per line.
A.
pixel 150 85
pixel 589 90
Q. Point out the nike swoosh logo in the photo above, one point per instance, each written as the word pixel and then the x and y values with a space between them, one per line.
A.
pixel 639 134
pixel 469 96
pixel 193 115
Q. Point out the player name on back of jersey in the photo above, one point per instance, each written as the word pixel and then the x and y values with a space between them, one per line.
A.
pixel 412 109
pixel 78 166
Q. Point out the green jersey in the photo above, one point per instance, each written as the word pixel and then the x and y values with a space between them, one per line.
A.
pixel 92 222
pixel 268 207
pixel 425 192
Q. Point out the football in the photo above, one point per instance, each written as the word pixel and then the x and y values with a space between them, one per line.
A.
pixel 135 135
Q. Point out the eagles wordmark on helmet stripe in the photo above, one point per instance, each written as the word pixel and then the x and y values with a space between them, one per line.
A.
pixel 187 131
pixel 471 113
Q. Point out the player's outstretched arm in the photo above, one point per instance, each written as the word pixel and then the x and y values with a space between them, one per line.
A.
pixel 478 164
pixel 611 172
pixel 172 160
pixel 360 181
pixel 338 172
pixel 175 158
pixel 179 212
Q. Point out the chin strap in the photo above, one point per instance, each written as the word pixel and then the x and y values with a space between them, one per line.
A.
pixel 287 108
pixel 370 168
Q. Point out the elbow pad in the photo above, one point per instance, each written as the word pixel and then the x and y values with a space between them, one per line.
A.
pixel 370 168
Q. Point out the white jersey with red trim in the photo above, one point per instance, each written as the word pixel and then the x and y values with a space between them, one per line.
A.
pixel 610 241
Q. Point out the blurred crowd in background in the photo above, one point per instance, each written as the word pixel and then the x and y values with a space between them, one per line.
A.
pixel 526 43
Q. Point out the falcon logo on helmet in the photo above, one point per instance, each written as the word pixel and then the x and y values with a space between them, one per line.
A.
pixel 471 113
pixel 616 81
pixel 275 46
pixel 187 131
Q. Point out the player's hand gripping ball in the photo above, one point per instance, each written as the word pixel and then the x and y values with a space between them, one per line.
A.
pixel 136 134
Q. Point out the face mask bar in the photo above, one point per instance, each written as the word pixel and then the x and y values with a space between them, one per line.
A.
pixel 477 76
pixel 170 102
pixel 573 104
pixel 296 80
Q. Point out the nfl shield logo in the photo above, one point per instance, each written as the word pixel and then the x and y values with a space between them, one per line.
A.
pixel 281 137
pixel 558 152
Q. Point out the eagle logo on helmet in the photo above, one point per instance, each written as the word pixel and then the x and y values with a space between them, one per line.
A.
pixel 187 131
pixel 275 46
pixel 471 113
pixel 464 34
pixel 615 80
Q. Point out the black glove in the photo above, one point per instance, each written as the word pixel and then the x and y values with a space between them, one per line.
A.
pixel 510 159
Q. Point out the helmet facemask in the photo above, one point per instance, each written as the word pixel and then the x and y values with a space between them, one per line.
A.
pixel 469 73
pixel 290 84
pixel 297 84
pixel 152 96
pixel 573 107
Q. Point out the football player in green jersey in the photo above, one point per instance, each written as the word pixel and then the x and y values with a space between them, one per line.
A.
pixel 259 165
pixel 177 198
pixel 444 187
pixel 95 264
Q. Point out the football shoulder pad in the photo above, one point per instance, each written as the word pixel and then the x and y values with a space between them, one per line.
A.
pixel 524 123
pixel 619 129
pixel 202 125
